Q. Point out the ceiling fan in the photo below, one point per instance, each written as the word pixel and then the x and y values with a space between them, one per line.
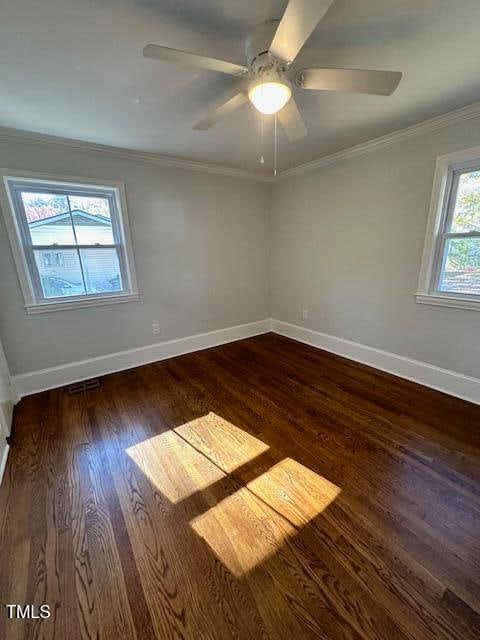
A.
pixel 268 77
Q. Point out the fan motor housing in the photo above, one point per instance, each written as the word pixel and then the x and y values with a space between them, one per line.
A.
pixel 257 46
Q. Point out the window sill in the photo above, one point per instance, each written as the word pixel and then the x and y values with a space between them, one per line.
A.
pixel 472 304
pixel 46 307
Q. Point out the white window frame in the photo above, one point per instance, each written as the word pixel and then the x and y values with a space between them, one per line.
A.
pixel 441 206
pixel 27 274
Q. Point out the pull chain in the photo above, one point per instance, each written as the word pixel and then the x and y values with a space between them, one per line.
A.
pixel 262 159
pixel 275 146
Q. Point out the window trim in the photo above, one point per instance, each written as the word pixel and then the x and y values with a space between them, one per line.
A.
pixel 446 168
pixel 15 231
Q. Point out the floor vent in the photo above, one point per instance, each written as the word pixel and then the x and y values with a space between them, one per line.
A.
pixel 85 385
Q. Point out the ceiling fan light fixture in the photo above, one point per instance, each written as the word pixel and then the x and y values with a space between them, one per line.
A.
pixel 269 97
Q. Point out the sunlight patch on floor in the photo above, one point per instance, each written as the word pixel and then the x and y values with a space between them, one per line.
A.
pixel 221 441
pixel 195 455
pixel 173 466
pixel 294 491
pixel 249 504
pixel 249 526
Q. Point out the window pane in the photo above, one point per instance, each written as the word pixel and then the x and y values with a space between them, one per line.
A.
pixel 92 205
pixel 48 218
pixel 101 270
pixel 461 271
pixel 466 215
pixel 91 217
pixel 60 273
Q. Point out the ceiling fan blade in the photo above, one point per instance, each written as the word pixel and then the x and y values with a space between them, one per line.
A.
pixel 226 107
pixel 382 83
pixel 193 60
pixel 299 20
pixel 291 121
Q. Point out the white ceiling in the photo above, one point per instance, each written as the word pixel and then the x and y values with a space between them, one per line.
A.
pixel 74 68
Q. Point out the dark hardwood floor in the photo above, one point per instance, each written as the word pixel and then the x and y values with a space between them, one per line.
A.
pixel 261 489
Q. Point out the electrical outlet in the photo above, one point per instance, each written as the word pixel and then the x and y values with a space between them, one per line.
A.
pixel 155 328
pixel 305 313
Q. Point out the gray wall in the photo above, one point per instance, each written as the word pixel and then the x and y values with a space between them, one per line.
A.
pixel 347 240
pixel 201 255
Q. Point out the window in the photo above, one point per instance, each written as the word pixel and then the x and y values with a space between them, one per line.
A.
pixel 450 274
pixel 70 241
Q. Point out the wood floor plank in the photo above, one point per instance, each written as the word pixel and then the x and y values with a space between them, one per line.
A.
pixel 261 489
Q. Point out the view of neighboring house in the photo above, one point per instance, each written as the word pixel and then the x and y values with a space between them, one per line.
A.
pixel 61 271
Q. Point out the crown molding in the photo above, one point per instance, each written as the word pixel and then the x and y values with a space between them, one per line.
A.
pixel 432 124
pixel 54 142
pixel 66 144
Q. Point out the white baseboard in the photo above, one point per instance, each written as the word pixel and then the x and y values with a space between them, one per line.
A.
pixel 4 449
pixel 44 379
pixel 455 384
